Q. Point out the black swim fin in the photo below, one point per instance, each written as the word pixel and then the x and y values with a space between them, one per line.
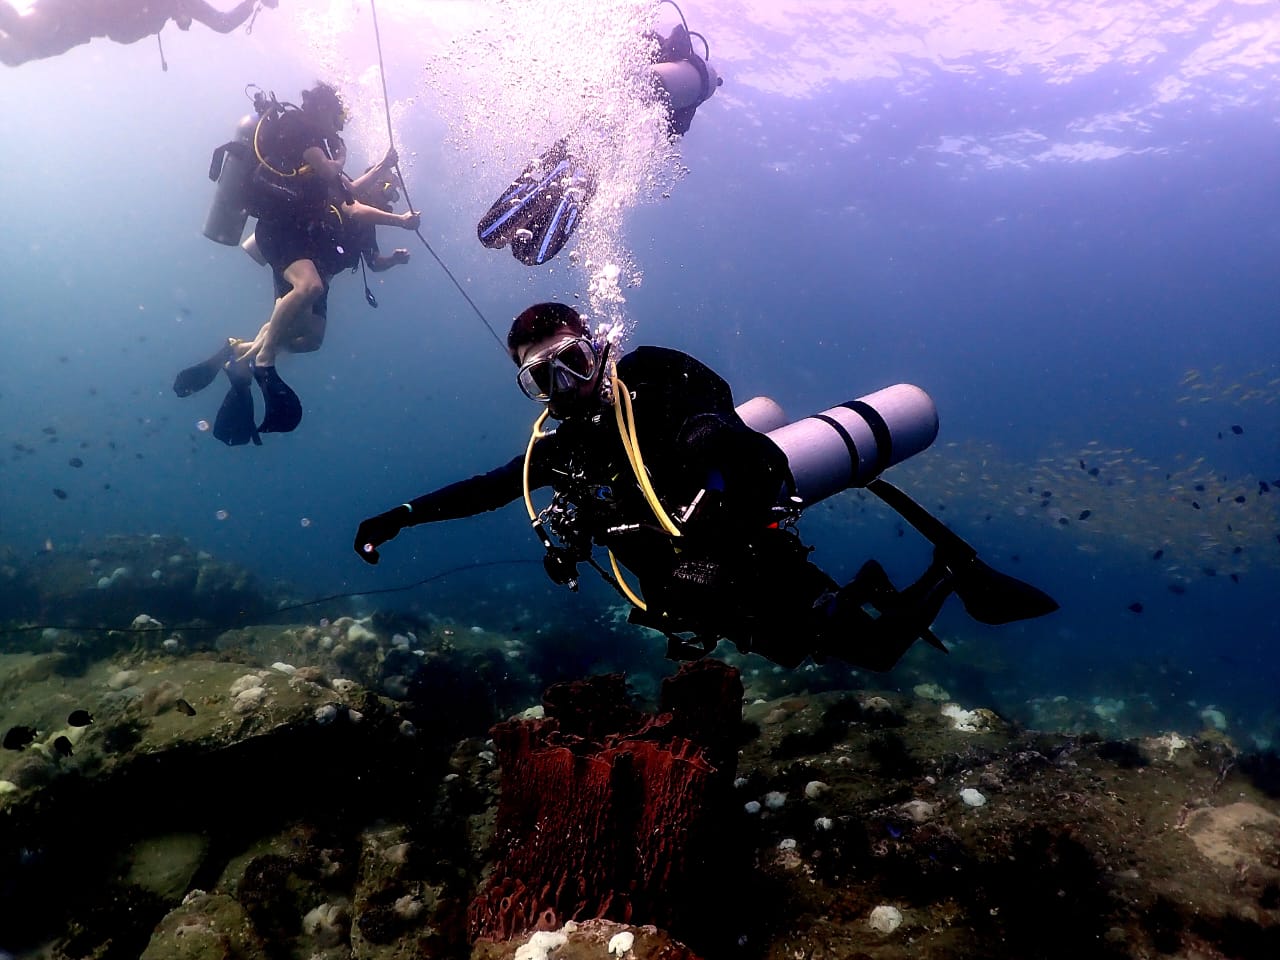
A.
pixel 988 595
pixel 196 378
pixel 540 209
pixel 283 408
pixel 234 423
pixel 993 597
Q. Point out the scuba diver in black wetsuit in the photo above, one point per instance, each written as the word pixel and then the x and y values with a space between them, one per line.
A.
pixel 538 212
pixel 652 461
pixel 285 168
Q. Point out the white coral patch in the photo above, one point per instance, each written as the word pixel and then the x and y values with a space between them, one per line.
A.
pixel 541 944
pixel 972 797
pixel 885 919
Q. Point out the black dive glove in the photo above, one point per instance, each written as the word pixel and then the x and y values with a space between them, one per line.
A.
pixel 376 531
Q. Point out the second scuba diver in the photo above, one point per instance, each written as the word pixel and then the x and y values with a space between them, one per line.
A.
pixel 651 461
pixel 306 210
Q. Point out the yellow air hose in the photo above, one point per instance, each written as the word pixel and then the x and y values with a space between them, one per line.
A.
pixel 625 418
pixel 305 168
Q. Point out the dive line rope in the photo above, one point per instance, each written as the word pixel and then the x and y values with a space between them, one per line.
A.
pixel 386 103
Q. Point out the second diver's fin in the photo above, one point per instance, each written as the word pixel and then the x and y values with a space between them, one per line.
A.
pixel 234 423
pixel 283 410
pixel 988 595
pixel 540 209
pixel 197 377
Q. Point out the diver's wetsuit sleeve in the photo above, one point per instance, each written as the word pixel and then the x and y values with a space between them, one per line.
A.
pixel 487 491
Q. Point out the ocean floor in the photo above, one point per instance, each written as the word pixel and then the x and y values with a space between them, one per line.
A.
pixel 329 789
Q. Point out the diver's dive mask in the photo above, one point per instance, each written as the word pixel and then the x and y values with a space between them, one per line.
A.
pixel 560 369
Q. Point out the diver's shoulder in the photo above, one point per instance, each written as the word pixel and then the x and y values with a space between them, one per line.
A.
pixel 648 355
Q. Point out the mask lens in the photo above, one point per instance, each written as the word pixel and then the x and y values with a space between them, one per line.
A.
pixel 559 370
pixel 578 358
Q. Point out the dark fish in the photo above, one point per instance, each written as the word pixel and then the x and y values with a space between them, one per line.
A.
pixel 1135 607
pixel 1219 434
pixel 60 493
pixel 1082 466
pixel 49 430
pixel 76 462
pixel 1263 486
pixel 1209 571
pixel 1085 514
pixel 1235 578
pixel 1033 489
pixel 1195 504
pixel 1044 503
pixel 1199 488
pixel 1237 429
pixel 18 737
pixel 1094 471
pixel 184 707
pixel 1046 493
pixel 79 718
pixel 1063 520
pixel 1158 554
pixel 63 746
pixel 1240 499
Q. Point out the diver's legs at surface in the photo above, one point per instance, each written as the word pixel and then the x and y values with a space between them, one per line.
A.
pixel 36 35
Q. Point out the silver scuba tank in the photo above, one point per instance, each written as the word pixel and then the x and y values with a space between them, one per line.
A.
pixel 230 168
pixel 684 84
pixel 851 444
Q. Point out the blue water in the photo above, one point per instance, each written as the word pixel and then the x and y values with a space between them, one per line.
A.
pixel 1036 238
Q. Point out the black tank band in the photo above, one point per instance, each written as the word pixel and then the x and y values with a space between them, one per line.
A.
pixel 879 430
pixel 852 447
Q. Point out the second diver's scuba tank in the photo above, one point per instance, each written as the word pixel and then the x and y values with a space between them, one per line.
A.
pixel 230 168
pixel 248 185
pixel 685 80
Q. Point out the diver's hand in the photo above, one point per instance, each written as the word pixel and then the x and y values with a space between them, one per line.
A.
pixel 399 255
pixel 376 531
pixel 411 220
pixel 390 159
